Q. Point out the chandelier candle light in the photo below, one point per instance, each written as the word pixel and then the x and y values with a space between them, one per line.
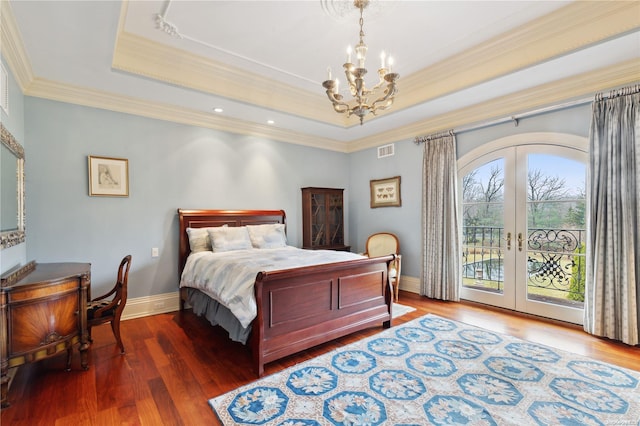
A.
pixel 355 78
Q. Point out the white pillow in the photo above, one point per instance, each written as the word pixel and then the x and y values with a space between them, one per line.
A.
pixel 228 238
pixel 268 235
pixel 199 239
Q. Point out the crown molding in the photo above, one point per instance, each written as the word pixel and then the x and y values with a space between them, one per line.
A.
pixel 569 29
pixel 12 47
pixel 574 87
pixel 56 91
pixel 582 23
pixel 586 84
pixel 140 56
pixel 15 55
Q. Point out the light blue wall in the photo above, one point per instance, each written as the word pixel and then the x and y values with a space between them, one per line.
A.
pixel 575 121
pixel 174 166
pixel 405 221
pixel 171 166
pixel 14 122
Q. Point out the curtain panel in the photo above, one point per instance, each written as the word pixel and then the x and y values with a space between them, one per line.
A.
pixel 612 297
pixel 440 231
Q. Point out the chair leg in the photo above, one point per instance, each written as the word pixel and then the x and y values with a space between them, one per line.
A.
pixel 69 356
pixel 115 327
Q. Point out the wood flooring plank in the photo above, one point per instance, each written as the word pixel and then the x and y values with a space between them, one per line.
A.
pixel 128 415
pixel 184 389
pixel 164 403
pixel 148 412
pixel 176 361
pixel 156 354
pixel 79 417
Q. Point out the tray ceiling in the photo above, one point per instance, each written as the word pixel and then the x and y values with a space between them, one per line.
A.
pixel 460 62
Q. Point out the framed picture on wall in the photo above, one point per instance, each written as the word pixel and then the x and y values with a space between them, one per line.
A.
pixel 385 192
pixel 108 177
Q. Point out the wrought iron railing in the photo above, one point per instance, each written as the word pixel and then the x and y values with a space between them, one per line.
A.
pixel 482 255
pixel 555 261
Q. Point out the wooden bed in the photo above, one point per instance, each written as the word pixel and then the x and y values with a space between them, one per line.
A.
pixel 301 307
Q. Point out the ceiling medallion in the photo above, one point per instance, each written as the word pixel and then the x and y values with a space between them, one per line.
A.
pixel 342 10
pixel 383 92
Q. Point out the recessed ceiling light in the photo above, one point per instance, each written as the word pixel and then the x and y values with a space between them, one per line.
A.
pixel 218 110
pixel 270 122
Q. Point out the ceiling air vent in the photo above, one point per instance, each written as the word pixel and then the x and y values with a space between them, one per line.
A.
pixel 385 151
pixel 4 89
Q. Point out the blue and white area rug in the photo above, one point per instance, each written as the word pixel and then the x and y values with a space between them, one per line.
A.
pixel 435 371
pixel 399 310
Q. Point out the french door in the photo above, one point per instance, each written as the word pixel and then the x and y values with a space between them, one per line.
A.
pixel 523 230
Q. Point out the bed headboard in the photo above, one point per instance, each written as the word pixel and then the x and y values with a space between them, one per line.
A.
pixel 210 218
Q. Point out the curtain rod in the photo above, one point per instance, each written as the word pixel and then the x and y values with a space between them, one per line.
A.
pixel 515 118
pixel 614 93
pixel 635 88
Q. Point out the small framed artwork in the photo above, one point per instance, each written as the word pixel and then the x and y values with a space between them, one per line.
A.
pixel 108 177
pixel 385 192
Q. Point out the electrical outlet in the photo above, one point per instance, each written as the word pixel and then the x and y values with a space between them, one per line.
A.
pixel 154 252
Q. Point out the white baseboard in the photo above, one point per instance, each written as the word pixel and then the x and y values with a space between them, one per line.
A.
pixel 151 305
pixel 170 302
pixel 411 284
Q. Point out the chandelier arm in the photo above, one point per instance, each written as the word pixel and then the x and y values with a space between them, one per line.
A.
pixel 382 72
pixel 351 79
pixel 376 87
pixel 389 95
pixel 338 105
pixel 341 108
pixel 355 72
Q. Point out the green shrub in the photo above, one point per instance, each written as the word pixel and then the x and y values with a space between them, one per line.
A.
pixel 578 274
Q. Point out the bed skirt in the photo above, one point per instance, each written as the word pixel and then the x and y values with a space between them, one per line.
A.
pixel 217 314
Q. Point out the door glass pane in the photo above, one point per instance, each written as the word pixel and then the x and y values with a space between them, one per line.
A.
pixel 555 240
pixel 318 236
pixel 335 214
pixel 483 227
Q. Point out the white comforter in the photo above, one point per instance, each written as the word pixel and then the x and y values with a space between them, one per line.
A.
pixel 228 277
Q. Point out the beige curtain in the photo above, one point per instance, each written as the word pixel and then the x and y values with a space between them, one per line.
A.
pixel 440 241
pixel 612 297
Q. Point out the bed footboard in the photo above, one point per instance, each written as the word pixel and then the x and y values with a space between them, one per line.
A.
pixel 304 307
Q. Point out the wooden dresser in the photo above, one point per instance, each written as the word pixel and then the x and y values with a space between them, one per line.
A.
pixel 43 311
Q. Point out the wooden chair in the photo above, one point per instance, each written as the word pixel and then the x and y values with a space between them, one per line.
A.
pixel 102 310
pixel 382 244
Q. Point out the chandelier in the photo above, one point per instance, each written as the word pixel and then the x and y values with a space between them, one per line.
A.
pixel 383 92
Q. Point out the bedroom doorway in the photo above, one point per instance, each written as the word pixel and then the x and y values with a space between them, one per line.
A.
pixel 523 228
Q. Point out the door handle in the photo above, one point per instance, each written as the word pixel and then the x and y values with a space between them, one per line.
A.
pixel 508 240
pixel 519 241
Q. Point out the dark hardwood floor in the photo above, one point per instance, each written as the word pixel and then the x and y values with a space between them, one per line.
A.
pixel 175 362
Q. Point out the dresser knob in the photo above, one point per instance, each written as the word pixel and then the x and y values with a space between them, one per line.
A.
pixel 51 337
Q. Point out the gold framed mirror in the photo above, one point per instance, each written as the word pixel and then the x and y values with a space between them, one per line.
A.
pixel 12 215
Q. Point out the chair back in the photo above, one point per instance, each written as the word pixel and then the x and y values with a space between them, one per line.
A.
pixel 109 307
pixel 382 244
pixel 123 279
pixel 112 303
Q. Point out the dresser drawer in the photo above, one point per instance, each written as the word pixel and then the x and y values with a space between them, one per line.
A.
pixel 42 291
pixel 41 322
